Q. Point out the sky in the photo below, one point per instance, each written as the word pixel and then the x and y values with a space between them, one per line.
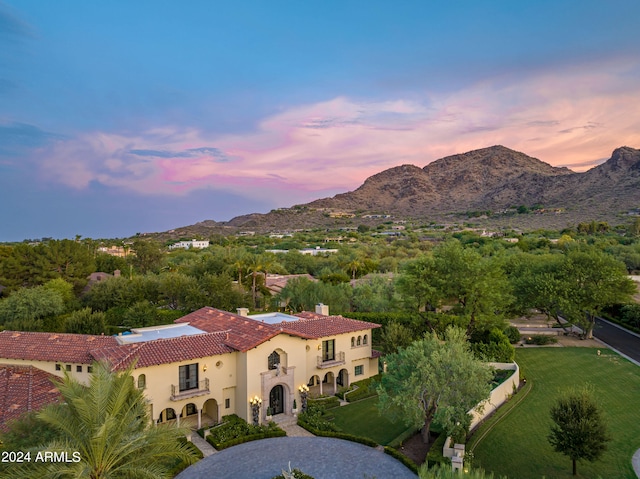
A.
pixel 123 117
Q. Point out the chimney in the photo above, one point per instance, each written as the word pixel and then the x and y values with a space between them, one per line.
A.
pixel 116 273
pixel 322 309
pixel 243 312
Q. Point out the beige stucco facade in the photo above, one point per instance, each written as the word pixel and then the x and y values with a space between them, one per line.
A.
pixel 228 382
pixel 221 369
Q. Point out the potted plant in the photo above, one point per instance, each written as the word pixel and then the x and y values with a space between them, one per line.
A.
pixel 295 407
pixel 269 415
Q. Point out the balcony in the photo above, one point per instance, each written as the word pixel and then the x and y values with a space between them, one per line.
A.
pixel 328 363
pixel 281 371
pixel 202 388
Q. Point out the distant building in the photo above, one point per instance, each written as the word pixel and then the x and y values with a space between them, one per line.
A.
pixel 308 251
pixel 119 251
pixel 195 244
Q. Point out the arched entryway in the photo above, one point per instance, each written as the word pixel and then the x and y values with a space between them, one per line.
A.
pixel 168 414
pixel 210 411
pixel 343 378
pixel 276 400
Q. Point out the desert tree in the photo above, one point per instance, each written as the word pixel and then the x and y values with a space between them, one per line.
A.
pixel 434 379
pixel 579 430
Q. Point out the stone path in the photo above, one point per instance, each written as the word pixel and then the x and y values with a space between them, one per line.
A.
pixel 206 448
pixel 320 457
pixel 290 426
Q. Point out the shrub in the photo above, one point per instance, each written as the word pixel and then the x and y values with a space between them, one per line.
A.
pixel 235 431
pixel 366 388
pixel 541 339
pixel 313 419
pixel 513 334
pixel 297 473
pixel 434 456
pixel 327 402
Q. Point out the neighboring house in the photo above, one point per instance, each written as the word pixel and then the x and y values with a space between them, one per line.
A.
pixel 97 277
pixel 195 244
pixel 210 363
pixel 119 251
pixel 308 251
pixel 276 282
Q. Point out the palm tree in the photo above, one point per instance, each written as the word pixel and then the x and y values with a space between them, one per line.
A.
pixel 107 433
pixel 255 265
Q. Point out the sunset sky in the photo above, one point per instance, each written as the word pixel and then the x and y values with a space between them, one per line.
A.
pixel 135 116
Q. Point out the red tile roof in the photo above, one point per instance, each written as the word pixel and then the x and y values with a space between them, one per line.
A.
pixel 163 351
pixel 54 347
pixel 243 333
pixel 314 325
pixel 23 389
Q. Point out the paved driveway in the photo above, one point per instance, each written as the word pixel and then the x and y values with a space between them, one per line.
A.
pixel 320 457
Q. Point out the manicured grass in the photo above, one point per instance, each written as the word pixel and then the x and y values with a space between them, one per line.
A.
pixel 362 419
pixel 517 445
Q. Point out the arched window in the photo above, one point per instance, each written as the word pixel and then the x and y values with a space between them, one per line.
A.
pixel 364 340
pixel 353 341
pixel 359 340
pixel 274 359
pixel 142 381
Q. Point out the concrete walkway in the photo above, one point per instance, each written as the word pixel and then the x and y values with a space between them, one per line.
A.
pixel 635 461
pixel 320 457
pixel 290 425
pixel 206 448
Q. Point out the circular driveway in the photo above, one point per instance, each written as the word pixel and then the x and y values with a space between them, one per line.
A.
pixel 320 457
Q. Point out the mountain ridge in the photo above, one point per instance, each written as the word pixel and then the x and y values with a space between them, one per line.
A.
pixel 491 179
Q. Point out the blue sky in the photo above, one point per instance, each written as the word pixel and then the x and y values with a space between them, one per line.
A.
pixel 122 117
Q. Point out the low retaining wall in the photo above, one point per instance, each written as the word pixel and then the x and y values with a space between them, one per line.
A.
pixel 497 398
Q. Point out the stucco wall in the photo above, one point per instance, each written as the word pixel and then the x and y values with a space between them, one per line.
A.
pixel 498 397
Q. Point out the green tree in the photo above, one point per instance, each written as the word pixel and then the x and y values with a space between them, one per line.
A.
pixel 140 315
pixel 396 335
pixel 108 424
pixel 148 256
pixel 579 430
pixel 25 308
pixel 85 321
pixel 597 280
pixel 432 379
pixel 71 261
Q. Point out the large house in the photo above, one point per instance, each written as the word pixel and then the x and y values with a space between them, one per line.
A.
pixel 209 363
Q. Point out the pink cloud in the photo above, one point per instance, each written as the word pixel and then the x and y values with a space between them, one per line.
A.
pixel 572 117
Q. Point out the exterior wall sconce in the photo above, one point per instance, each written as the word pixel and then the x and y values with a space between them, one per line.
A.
pixel 304 393
pixel 255 402
pixel 319 347
pixel 205 367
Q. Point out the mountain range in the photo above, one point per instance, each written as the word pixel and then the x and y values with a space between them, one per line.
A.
pixel 488 185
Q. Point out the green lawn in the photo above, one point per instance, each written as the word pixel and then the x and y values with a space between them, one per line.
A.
pixel 517 444
pixel 362 419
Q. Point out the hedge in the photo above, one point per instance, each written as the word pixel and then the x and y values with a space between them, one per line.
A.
pixel 541 339
pixel 434 456
pixel 366 388
pixel 243 439
pixel 235 430
pixel 328 402
pixel 402 458
pixel 337 435
pixel 403 436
